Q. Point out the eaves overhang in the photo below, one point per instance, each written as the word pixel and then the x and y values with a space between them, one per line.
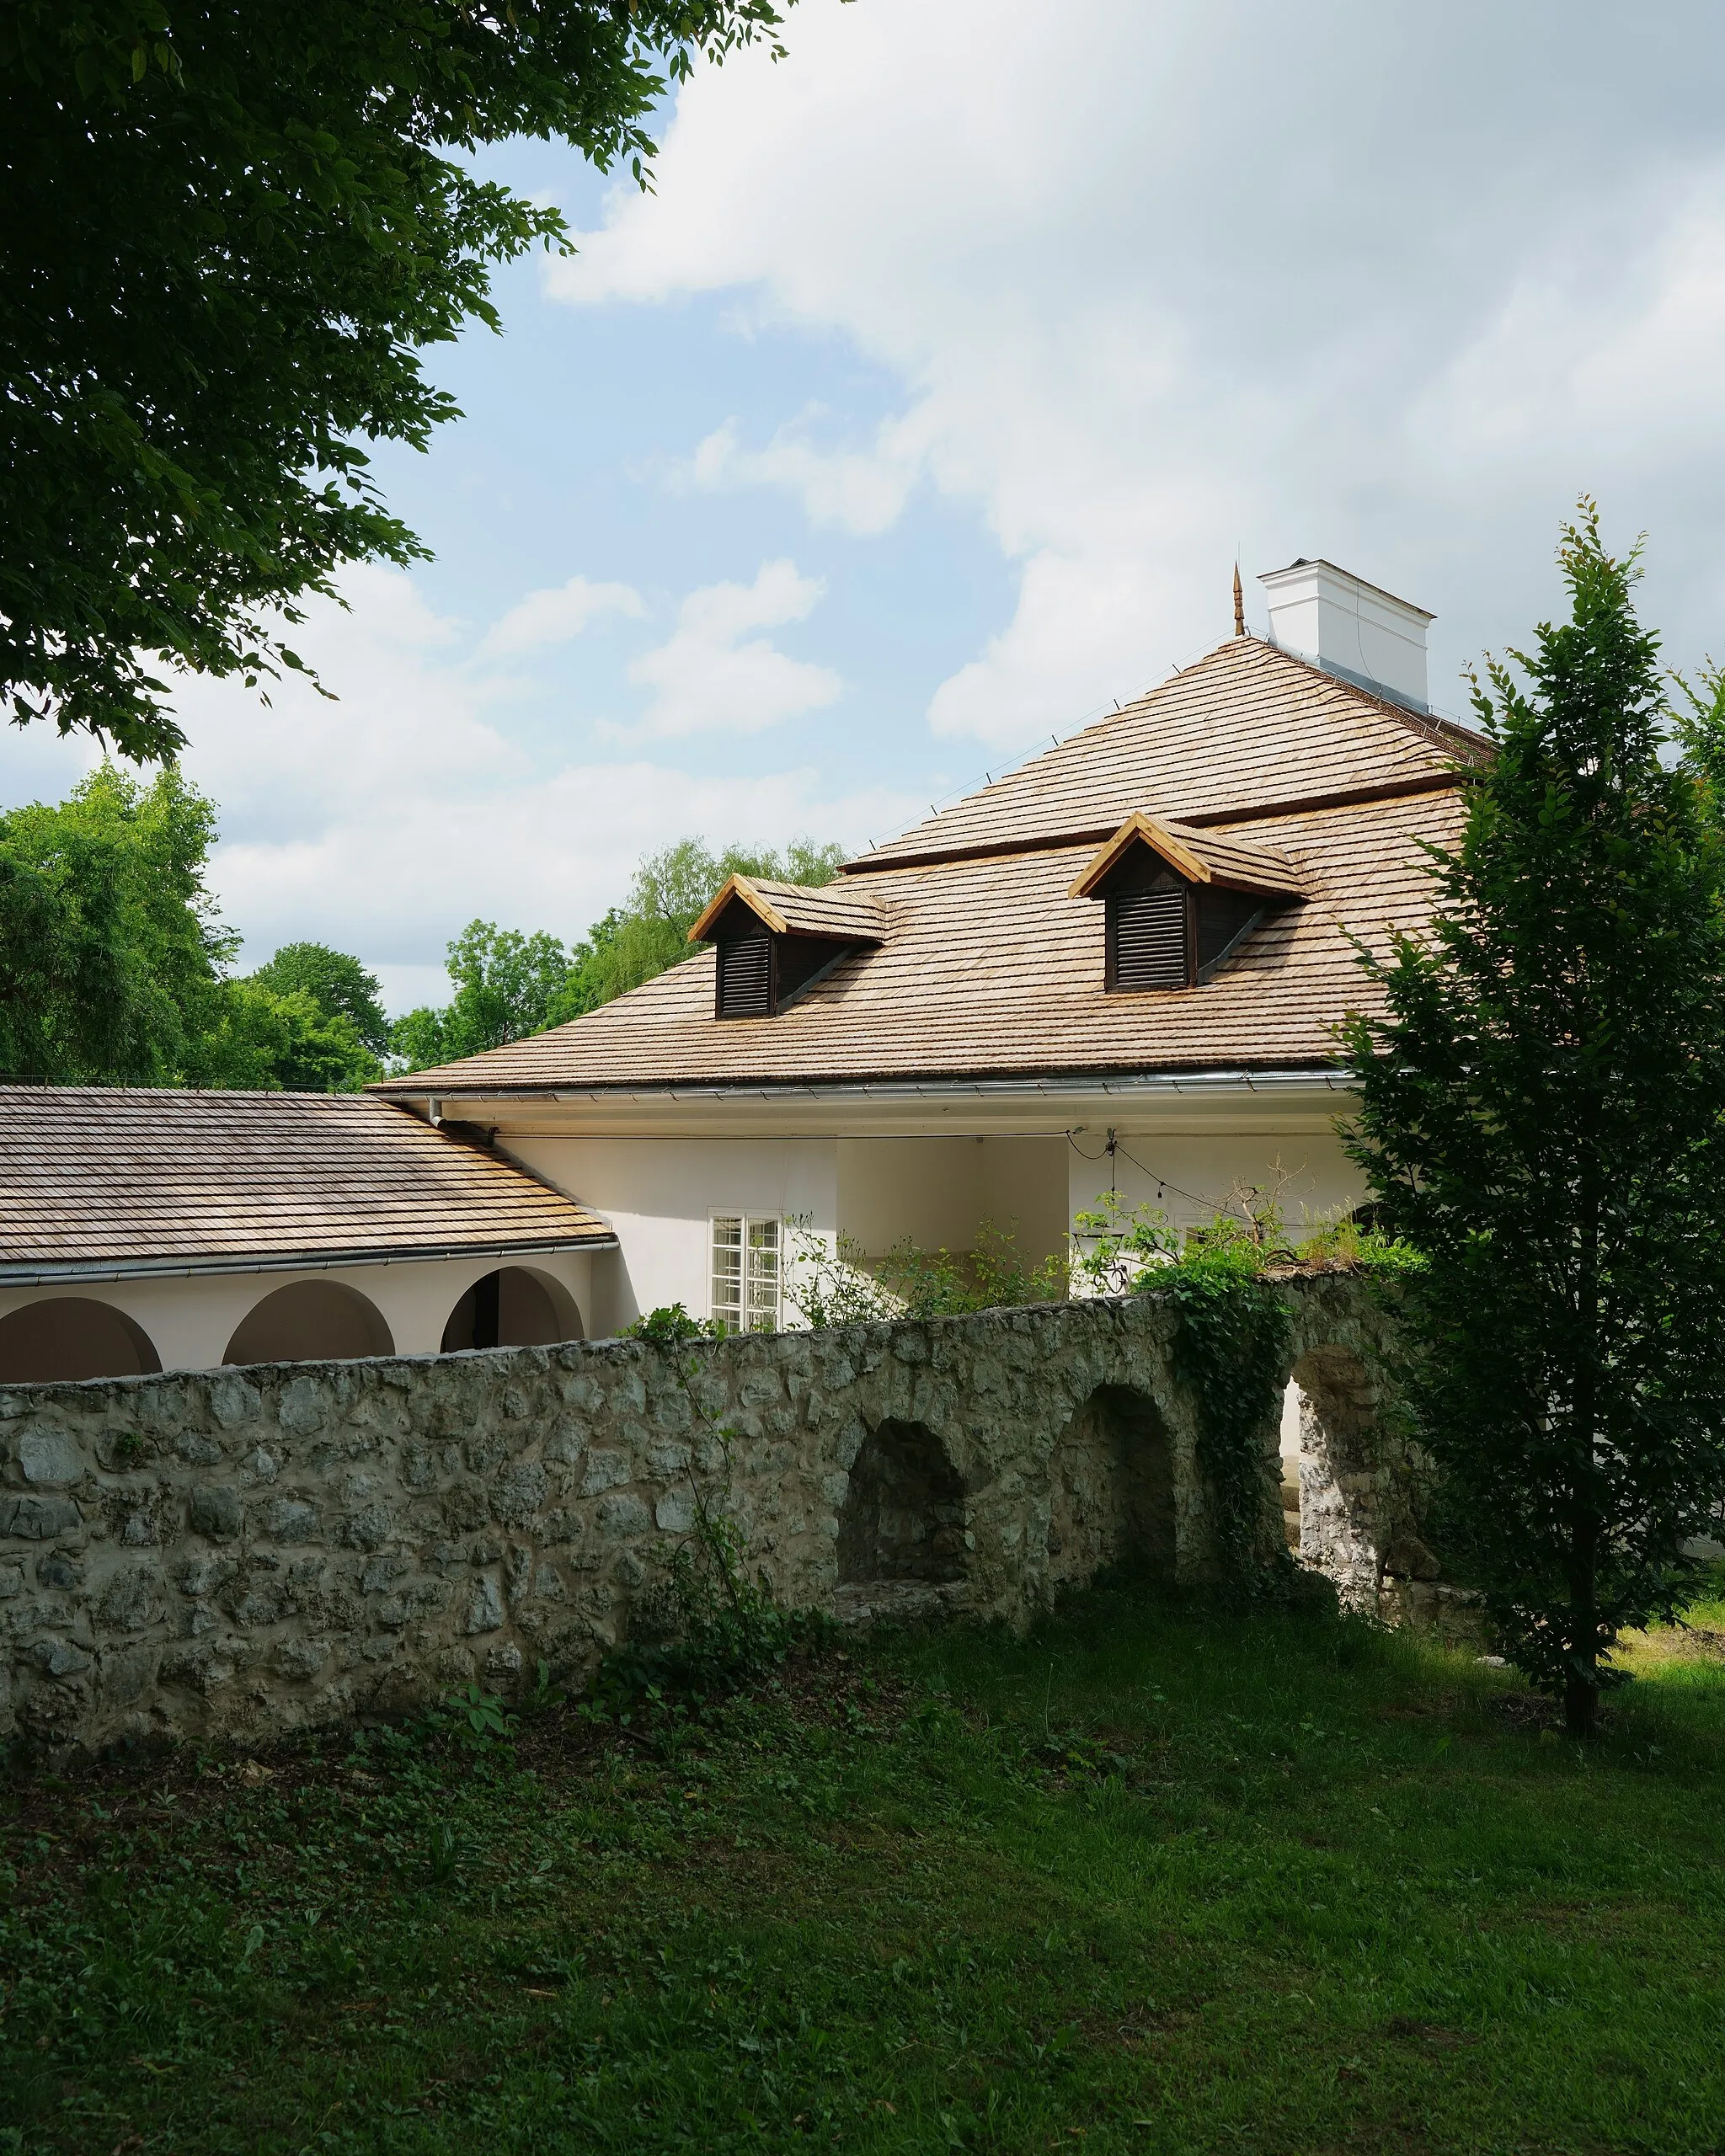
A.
pixel 1327 1077
pixel 22 1274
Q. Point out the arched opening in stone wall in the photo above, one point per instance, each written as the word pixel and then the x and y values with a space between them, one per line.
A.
pixel 902 1517
pixel 1111 1489
pixel 310 1322
pixel 1342 1488
pixel 64 1339
pixel 517 1306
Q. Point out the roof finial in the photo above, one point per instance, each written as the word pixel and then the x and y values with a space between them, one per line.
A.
pixel 1239 604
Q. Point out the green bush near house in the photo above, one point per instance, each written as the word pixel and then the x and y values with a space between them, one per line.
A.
pixel 1158 1877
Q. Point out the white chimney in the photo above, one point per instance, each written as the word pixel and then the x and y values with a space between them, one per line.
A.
pixel 1350 628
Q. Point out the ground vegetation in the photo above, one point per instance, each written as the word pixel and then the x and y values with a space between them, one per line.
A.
pixel 1155 1877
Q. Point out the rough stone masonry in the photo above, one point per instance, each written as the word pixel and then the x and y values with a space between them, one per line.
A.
pixel 238 1552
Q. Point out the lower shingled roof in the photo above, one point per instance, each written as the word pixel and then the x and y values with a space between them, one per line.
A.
pixel 110 1178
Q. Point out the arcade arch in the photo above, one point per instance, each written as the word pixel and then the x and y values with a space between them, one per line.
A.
pixel 310 1322
pixel 516 1306
pixel 66 1338
pixel 1111 1489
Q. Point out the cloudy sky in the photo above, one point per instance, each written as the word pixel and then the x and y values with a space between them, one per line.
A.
pixel 924 408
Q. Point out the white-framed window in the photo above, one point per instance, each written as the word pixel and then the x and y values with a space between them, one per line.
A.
pixel 747 1253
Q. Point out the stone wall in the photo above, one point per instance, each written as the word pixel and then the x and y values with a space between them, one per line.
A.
pixel 237 1552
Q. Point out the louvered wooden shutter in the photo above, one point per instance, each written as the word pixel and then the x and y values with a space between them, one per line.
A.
pixel 1147 932
pixel 745 977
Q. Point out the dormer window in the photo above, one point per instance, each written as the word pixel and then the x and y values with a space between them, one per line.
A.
pixel 1178 901
pixel 775 941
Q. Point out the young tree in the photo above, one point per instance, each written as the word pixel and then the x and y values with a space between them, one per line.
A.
pixel 228 230
pixel 1541 1114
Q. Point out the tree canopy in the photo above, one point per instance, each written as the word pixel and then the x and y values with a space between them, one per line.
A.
pixel 508 985
pixel 1541 1115
pixel 338 987
pixel 228 231
pixel 114 958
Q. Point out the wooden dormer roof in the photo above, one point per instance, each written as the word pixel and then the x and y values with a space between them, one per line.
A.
pixel 842 913
pixel 1199 856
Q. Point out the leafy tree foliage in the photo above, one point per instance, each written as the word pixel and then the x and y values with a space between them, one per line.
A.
pixel 505 986
pixel 1540 1116
pixel 112 955
pixel 509 986
pixel 109 942
pixel 228 231
pixel 337 985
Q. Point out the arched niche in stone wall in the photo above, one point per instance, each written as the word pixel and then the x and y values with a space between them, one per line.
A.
pixel 902 1517
pixel 516 1306
pixel 63 1339
pixel 1111 1489
pixel 310 1322
pixel 1343 1476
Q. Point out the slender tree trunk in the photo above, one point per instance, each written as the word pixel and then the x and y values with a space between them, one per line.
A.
pixel 1581 1687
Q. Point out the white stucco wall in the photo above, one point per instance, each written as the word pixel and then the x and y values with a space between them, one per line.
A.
pixel 190 1321
pixel 660 1195
pixel 937 1190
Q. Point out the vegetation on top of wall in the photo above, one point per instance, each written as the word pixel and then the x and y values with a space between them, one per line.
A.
pixel 839 1283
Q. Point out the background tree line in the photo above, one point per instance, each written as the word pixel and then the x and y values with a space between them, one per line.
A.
pixel 116 968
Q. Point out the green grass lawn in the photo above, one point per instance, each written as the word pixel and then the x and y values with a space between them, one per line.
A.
pixel 1158 1878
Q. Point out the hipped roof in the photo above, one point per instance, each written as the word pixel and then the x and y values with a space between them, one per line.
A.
pixel 988 966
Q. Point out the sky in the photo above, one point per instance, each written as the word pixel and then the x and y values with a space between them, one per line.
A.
pixel 923 408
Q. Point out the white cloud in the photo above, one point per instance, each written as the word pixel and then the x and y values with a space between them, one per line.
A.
pixel 1161 283
pixel 384 822
pixel 556 616
pixel 705 681
pixel 859 491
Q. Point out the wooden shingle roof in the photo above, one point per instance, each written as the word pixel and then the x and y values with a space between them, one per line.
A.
pixel 1271 774
pixel 990 968
pixel 100 1178
pixel 1245 730
pixel 1200 856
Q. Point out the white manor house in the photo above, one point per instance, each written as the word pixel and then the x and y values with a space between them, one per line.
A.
pixel 1120 965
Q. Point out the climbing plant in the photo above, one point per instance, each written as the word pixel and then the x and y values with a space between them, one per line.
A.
pixel 1232 1346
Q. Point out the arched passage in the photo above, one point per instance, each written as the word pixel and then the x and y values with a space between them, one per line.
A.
pixel 65 1338
pixel 902 1517
pixel 310 1322
pixel 1342 1494
pixel 517 1306
pixel 1111 1489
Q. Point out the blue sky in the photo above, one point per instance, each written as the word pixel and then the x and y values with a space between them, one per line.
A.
pixel 925 405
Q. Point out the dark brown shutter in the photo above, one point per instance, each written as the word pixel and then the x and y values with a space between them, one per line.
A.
pixel 1147 932
pixel 745 977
